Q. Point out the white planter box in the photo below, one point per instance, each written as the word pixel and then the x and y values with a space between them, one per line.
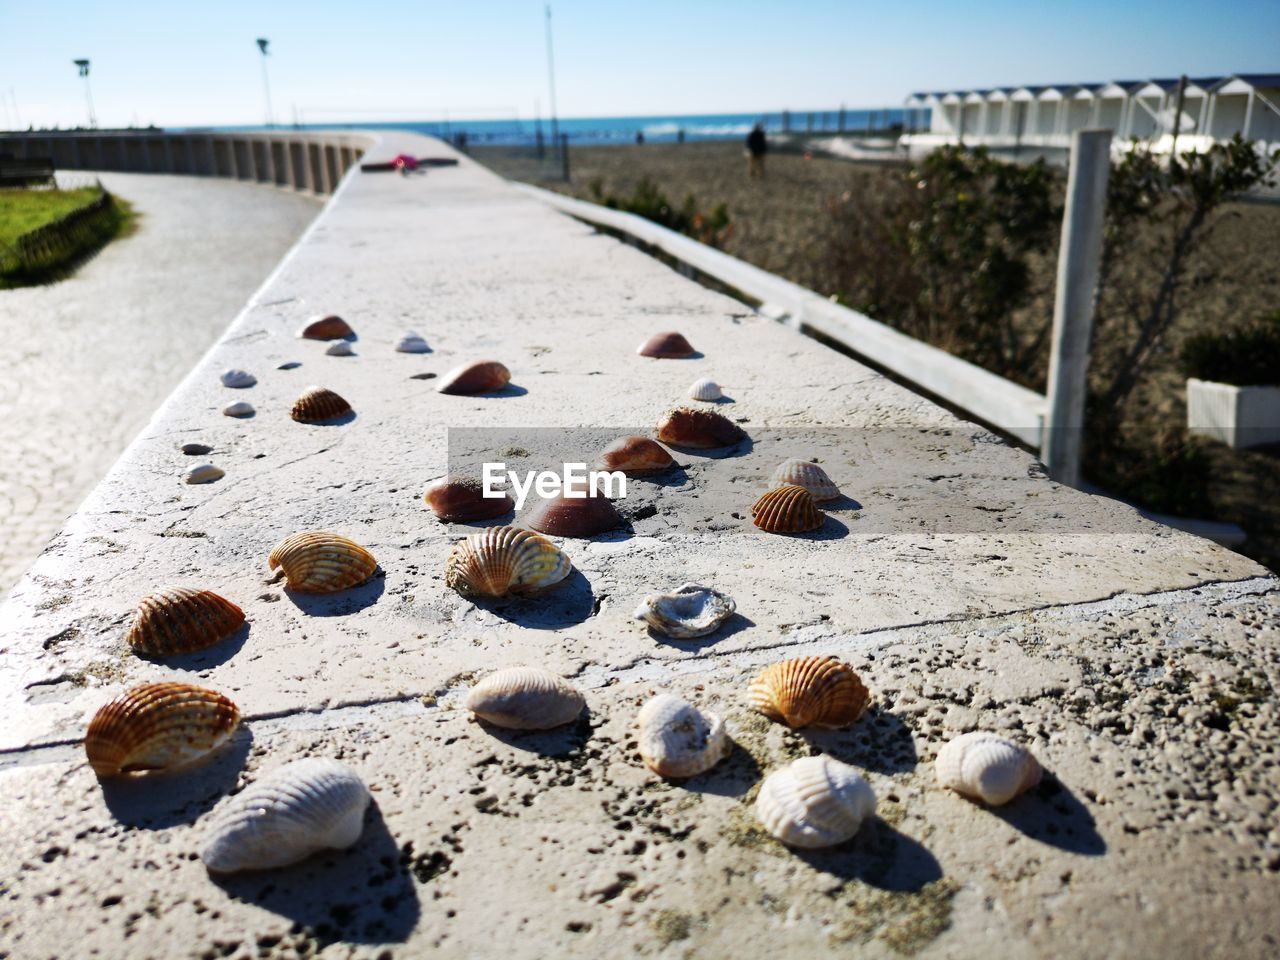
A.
pixel 1238 416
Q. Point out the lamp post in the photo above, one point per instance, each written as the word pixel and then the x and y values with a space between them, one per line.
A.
pixel 266 86
pixel 551 81
pixel 88 93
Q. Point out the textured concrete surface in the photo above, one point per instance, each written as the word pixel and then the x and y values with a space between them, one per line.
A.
pixel 969 591
pixel 88 359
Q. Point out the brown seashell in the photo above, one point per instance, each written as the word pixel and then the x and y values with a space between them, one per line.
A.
pixel 810 692
pixel 667 346
pixel 456 499
pixel 319 405
pixel 180 620
pixel 483 376
pixel 158 726
pixel 566 516
pixel 331 327
pixel 318 561
pixel 634 455
pixel 699 429
pixel 787 509
pixel 503 560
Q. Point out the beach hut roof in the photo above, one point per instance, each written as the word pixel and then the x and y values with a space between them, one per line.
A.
pixel 1241 82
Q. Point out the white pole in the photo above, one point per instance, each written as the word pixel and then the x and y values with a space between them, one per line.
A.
pixel 551 84
pixel 1248 115
pixel 1078 255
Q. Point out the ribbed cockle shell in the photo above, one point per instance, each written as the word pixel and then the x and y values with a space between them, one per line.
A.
pixel 634 455
pixel 708 391
pixel 525 698
pixel 505 560
pixel 458 499
pixel 158 726
pixel 803 473
pixel 986 767
pixel 814 802
pixel 810 692
pixel 573 516
pixel 181 620
pixel 668 345
pixel 317 561
pixel 698 429
pixel 689 611
pixel 787 509
pixel 287 815
pixel 319 405
pixel 326 328
pixel 677 739
pixel 483 376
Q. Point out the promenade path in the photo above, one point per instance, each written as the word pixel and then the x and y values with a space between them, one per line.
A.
pixel 968 590
pixel 88 359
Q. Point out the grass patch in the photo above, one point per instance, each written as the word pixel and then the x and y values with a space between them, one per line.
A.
pixel 24 212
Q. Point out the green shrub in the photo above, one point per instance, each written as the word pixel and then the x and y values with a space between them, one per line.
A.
pixel 650 202
pixel 1246 356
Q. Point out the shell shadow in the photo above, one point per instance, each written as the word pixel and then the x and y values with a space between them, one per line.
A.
pixel 841 502
pixel 346 418
pixel 880 741
pixel 290 365
pixel 739 449
pixel 571 602
pixel 158 801
pixel 559 742
pixel 736 623
pixel 510 390
pixel 423 376
pixel 731 777
pixel 674 476
pixel 213 656
pixel 1052 814
pixel 343 602
pixel 364 894
pixel 832 528
pixel 879 856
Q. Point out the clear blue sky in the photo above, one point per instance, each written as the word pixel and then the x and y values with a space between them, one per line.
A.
pixel 196 63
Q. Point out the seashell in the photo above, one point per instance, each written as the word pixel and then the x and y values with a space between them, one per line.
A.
pixel 679 740
pixel 158 726
pixel 204 473
pixel 238 379
pixel 321 562
pixel 412 343
pixel 287 815
pixel 240 408
pixel 289 365
pixel 705 390
pixel 319 405
pixel 669 346
pixel 803 473
pixel 787 509
pixel 699 429
pixel 525 698
pixel 422 376
pixel 691 610
pixel 483 376
pixel 814 802
pixel 986 767
pixel 339 348
pixel 196 449
pixel 502 560
pixel 456 499
pixel 181 620
pixel 585 515
pixel 634 455
pixel 331 327
pixel 810 692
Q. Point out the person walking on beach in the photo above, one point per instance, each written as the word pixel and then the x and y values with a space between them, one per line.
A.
pixel 757 146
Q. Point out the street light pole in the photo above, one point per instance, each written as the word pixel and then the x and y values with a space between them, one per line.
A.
pixel 88 93
pixel 266 85
pixel 551 81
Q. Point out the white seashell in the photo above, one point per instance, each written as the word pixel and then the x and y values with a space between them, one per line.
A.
pixel 986 767
pixel 238 379
pixel 205 473
pixel 287 815
pixel 525 698
pixel 804 473
pixel 240 408
pixel 691 610
pixel 339 348
pixel 412 343
pixel 706 390
pixel 814 802
pixel 679 740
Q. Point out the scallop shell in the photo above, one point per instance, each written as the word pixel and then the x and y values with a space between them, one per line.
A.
pixel 669 345
pixel 180 620
pixel 502 560
pixel 810 692
pixel 634 455
pixel 803 473
pixel 679 740
pixel 577 516
pixel 319 405
pixel 339 348
pixel 699 429
pixel 204 473
pixel 240 408
pixel 287 815
pixel 705 390
pixel 787 509
pixel 326 328
pixel 689 611
pixel 483 376
pixel 986 767
pixel 196 449
pixel 525 698
pixel 238 379
pixel 158 726
pixel 322 562
pixel 814 802
pixel 412 343
pixel 457 499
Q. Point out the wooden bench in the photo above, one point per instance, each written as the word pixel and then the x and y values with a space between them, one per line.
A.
pixel 25 171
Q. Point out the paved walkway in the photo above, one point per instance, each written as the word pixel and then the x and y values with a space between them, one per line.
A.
pixel 86 361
